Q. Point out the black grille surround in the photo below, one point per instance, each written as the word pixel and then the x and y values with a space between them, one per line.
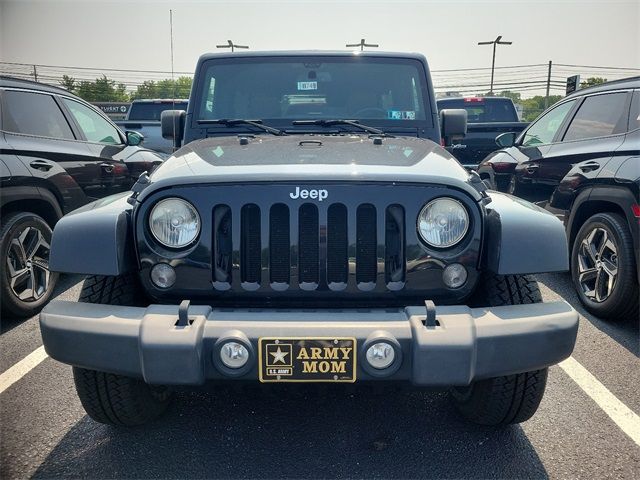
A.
pixel 359 246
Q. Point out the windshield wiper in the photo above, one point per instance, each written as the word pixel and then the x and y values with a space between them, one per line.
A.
pixel 240 121
pixel 354 123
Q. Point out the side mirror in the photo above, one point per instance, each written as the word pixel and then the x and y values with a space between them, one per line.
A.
pixel 134 138
pixel 453 125
pixel 172 125
pixel 507 139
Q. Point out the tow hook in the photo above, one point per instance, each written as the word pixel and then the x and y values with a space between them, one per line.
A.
pixel 430 320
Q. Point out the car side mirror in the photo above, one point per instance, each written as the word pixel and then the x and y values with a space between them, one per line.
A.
pixel 134 138
pixel 453 125
pixel 172 125
pixel 507 139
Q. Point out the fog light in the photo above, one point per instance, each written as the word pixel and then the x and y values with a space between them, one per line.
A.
pixel 380 355
pixel 234 354
pixel 454 275
pixel 163 275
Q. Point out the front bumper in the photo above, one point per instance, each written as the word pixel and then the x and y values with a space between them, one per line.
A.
pixel 466 344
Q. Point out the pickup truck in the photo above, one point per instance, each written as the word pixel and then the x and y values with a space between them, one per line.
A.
pixel 487 117
pixel 144 118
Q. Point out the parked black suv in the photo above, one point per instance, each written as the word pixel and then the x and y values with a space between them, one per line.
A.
pixel 582 157
pixel 57 153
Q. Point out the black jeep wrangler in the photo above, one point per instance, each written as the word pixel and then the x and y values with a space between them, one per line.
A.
pixel 312 229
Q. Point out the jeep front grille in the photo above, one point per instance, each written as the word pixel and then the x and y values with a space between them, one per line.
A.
pixel 308 247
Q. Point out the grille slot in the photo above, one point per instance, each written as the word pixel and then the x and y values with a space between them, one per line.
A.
pixel 222 246
pixel 279 244
pixel 337 245
pixel 250 244
pixel 308 244
pixel 394 243
pixel 366 244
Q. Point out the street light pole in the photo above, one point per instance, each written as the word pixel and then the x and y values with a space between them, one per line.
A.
pixel 495 42
pixel 232 46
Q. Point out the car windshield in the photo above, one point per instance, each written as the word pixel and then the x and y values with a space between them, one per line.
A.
pixel 482 110
pixel 153 110
pixel 292 88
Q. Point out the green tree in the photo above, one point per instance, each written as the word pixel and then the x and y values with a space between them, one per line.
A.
pixel 102 89
pixel 534 106
pixel 592 81
pixel 68 83
pixel 167 88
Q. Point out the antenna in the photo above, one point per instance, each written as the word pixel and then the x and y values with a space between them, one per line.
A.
pixel 173 81
pixel 232 45
pixel 362 44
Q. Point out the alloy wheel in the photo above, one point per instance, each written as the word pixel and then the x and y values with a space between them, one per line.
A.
pixel 598 265
pixel 28 265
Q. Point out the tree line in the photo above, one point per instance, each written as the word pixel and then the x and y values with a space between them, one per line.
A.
pixel 104 89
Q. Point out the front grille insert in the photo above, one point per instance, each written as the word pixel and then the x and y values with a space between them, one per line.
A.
pixel 250 245
pixel 308 246
pixel 274 247
pixel 222 247
pixel 394 253
pixel 279 245
pixel 337 247
pixel 366 245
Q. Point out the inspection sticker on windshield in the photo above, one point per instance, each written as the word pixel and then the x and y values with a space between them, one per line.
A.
pixel 401 114
pixel 307 85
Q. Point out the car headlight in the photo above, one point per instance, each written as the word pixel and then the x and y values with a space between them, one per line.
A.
pixel 174 222
pixel 443 222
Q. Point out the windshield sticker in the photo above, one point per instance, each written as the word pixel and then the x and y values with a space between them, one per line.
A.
pixel 307 85
pixel 407 151
pixel 218 151
pixel 401 114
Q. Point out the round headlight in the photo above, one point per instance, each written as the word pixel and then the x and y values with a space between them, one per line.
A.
pixel 443 222
pixel 174 222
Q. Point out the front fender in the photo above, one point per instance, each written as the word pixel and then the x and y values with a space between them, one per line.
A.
pixel 94 239
pixel 523 238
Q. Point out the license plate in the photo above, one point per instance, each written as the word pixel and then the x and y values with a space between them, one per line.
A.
pixel 302 359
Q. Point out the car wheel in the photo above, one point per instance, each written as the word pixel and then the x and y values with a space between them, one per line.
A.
pixel 514 187
pixel 106 397
pixel 26 283
pixel 507 399
pixel 603 267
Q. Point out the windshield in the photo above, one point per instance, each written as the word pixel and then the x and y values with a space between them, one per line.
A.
pixel 310 88
pixel 152 111
pixel 483 110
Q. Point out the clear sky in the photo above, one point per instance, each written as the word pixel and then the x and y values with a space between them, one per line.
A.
pixel 135 34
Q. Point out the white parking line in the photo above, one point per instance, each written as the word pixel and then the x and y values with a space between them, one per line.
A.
pixel 622 415
pixel 20 369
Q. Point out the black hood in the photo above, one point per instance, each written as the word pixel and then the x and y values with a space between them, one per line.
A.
pixel 309 159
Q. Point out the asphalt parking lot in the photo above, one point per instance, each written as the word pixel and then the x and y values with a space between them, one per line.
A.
pixel 224 433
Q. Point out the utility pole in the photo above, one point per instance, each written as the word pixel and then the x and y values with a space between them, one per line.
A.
pixel 231 45
pixel 35 73
pixel 362 44
pixel 495 42
pixel 546 99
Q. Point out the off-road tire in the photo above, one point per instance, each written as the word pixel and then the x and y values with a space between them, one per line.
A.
pixel 118 400
pixel 107 397
pixel 12 225
pixel 512 398
pixel 121 290
pixel 622 303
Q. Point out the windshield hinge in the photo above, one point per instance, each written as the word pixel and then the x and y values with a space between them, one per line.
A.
pixel 142 183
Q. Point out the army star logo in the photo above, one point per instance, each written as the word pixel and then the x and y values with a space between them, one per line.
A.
pixel 278 356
